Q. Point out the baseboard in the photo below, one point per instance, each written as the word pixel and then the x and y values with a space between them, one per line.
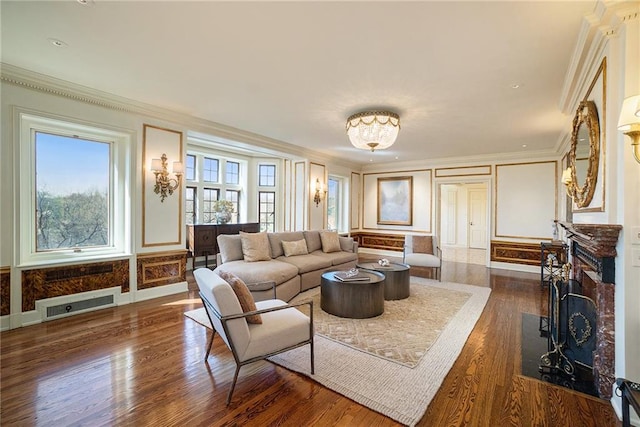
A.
pixel 161 291
pixel 380 252
pixel 516 267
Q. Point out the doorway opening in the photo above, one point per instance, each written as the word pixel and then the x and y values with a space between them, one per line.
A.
pixel 464 222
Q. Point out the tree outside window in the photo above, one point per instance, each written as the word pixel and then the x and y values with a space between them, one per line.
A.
pixel 209 196
pixel 190 205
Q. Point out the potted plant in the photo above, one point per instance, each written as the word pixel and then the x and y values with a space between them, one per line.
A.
pixel 223 210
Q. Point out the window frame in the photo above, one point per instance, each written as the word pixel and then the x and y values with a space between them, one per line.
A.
pixel 273 213
pixel 120 240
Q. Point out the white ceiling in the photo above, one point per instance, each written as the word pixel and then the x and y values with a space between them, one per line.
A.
pixel 294 71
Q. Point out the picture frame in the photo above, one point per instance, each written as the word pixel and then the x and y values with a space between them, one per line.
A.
pixel 395 200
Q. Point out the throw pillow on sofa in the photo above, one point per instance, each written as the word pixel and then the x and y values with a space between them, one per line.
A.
pixel 244 295
pixel 296 247
pixel 255 246
pixel 330 241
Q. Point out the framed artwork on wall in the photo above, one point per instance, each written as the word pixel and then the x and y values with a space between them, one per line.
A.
pixel 395 200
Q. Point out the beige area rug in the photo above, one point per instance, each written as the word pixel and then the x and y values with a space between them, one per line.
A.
pixel 398 377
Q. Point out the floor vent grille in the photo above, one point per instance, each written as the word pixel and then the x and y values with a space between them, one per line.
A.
pixel 71 307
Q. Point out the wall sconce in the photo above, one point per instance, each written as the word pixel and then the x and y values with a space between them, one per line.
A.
pixel 165 185
pixel 317 198
pixel 629 122
pixel 568 181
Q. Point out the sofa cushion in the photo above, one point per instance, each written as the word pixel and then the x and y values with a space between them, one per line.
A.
pixel 261 271
pixel 255 246
pixel 337 258
pixel 330 241
pixel 296 247
pixel 313 240
pixel 423 244
pixel 346 244
pixel 244 295
pixel 307 263
pixel 230 247
pixel 276 239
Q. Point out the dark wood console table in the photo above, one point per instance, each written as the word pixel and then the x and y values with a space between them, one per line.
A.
pixel 202 239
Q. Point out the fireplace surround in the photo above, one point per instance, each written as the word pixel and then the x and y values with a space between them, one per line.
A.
pixel 593 253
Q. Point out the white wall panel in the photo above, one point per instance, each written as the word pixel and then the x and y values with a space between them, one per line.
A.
pixel 526 200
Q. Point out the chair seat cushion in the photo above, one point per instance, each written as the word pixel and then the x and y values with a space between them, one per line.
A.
pixel 279 329
pixel 422 260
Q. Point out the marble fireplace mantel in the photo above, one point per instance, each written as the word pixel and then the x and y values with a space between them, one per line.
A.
pixel 593 250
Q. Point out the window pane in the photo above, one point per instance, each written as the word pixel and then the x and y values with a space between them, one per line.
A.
pixel 234 197
pixel 233 173
pixel 190 205
pixel 333 204
pixel 210 170
pixel 210 195
pixel 72 192
pixel 267 175
pixel 266 210
pixel 191 167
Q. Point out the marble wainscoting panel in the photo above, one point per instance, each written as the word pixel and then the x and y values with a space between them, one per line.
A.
pixel 48 282
pixel 159 269
pixel 5 291
pixel 515 252
pixel 389 242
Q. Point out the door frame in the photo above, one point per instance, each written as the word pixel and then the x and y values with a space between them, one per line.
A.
pixel 488 181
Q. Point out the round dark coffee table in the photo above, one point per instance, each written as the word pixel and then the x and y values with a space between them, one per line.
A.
pixel 396 284
pixel 357 300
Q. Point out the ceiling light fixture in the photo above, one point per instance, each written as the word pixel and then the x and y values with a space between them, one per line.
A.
pixel 57 43
pixel 373 130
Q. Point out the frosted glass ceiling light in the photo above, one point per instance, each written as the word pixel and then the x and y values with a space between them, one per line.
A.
pixel 373 130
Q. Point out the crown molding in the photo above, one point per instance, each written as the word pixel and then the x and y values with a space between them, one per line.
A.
pixel 222 134
pixel 529 156
pixel 597 29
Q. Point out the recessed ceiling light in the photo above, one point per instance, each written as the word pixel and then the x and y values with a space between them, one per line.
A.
pixel 516 86
pixel 397 157
pixel 524 145
pixel 371 160
pixel 57 43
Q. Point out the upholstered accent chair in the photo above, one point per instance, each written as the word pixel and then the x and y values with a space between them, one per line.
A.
pixel 423 251
pixel 283 326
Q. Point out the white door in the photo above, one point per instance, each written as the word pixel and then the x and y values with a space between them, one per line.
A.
pixel 477 218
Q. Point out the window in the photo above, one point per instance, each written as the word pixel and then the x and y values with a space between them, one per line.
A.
pixel 77 177
pixel 333 205
pixel 190 204
pixel 233 173
pixel 209 196
pixel 267 175
pixel 190 174
pixel 210 170
pixel 234 196
pixel 72 192
pixel 266 210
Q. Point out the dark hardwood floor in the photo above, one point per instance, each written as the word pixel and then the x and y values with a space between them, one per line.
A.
pixel 142 364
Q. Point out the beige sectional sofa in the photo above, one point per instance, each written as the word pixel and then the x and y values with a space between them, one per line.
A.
pixel 292 274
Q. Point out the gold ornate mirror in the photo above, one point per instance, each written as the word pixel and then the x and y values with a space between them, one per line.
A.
pixel 584 155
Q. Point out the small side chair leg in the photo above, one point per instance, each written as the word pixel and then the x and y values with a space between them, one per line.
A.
pixel 210 344
pixel 233 385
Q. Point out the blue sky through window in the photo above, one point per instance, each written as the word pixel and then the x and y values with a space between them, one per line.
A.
pixel 66 165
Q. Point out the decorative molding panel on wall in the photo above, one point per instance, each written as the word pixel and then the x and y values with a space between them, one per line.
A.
pixel 526 200
pixel 161 220
pixel 515 253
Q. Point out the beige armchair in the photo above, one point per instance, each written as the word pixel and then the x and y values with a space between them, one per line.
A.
pixel 423 251
pixel 283 327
